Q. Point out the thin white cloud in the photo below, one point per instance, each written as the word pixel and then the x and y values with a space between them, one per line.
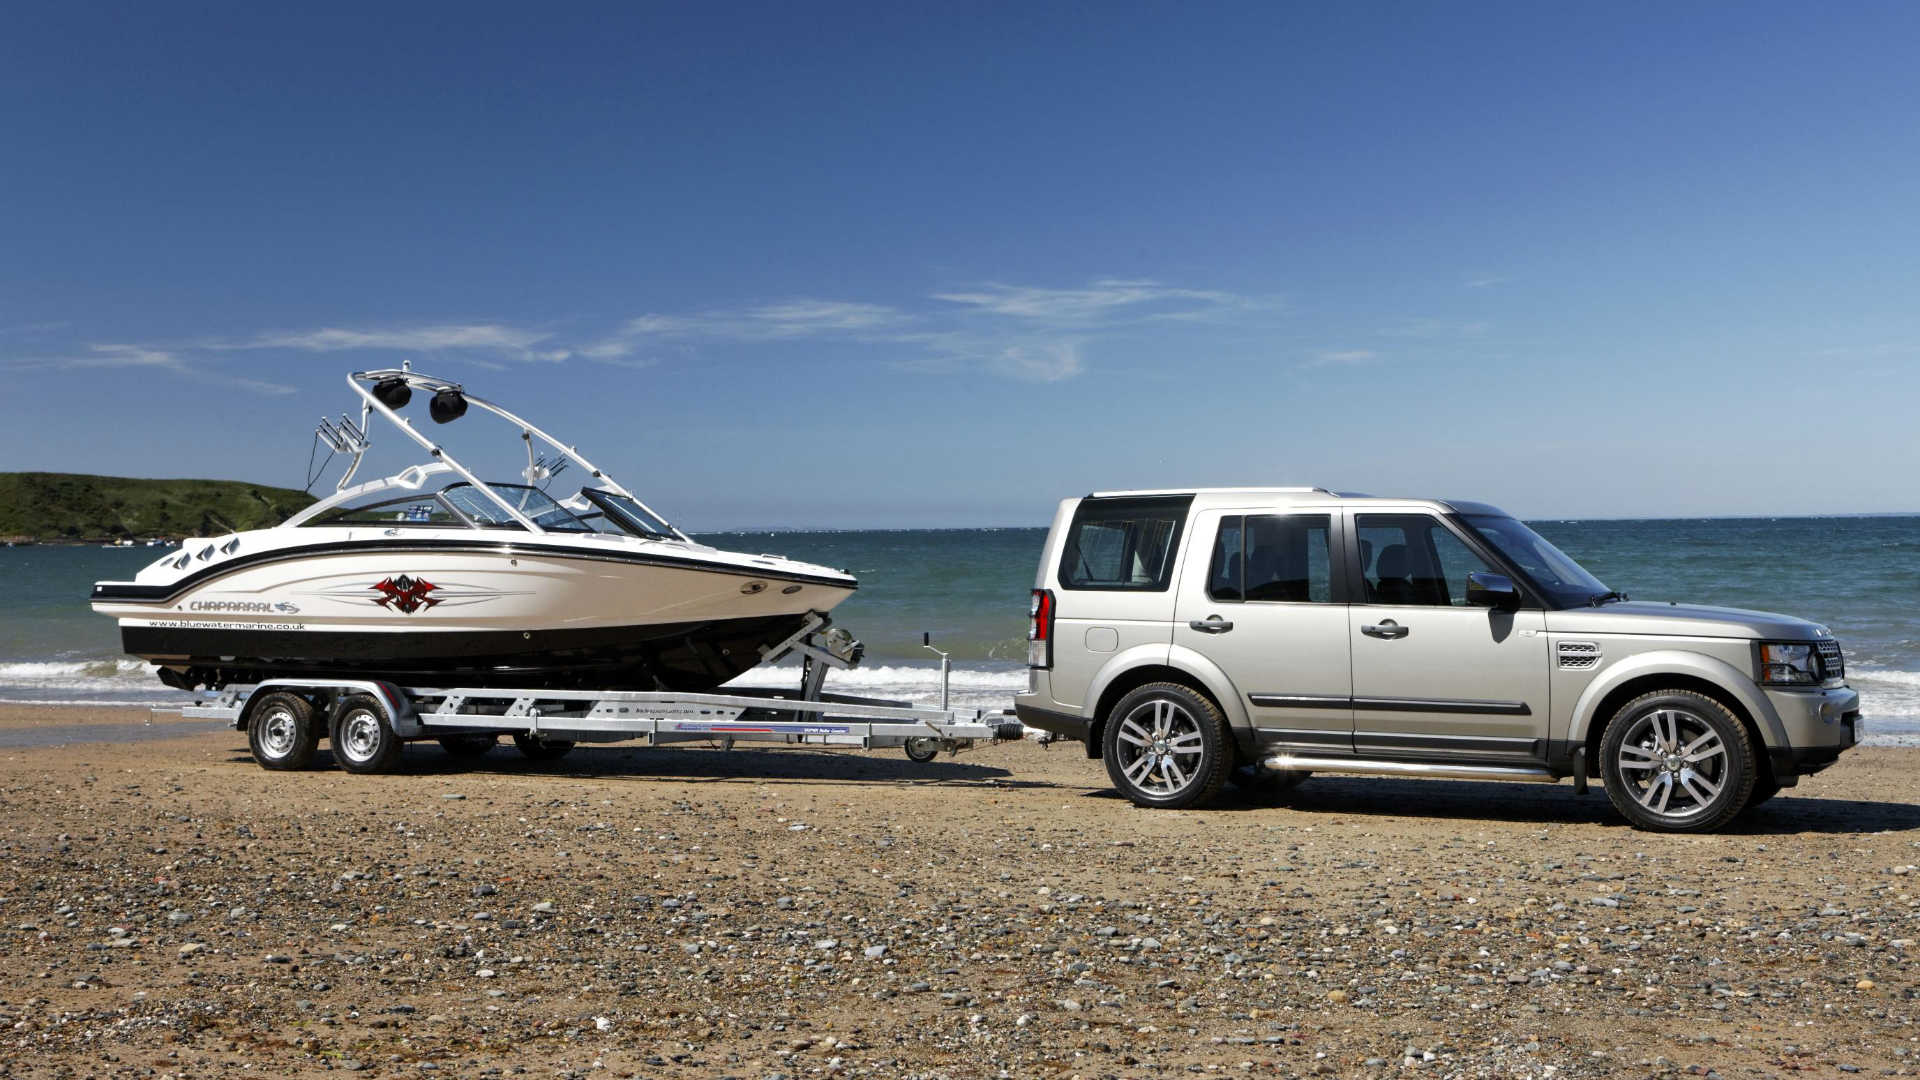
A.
pixel 126 356
pixel 1054 362
pixel 1015 331
pixel 1098 301
pixel 114 355
pixel 1025 332
pixel 770 322
pixel 1485 282
pixel 485 336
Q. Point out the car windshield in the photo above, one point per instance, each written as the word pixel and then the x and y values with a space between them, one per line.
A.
pixel 1566 583
pixel 630 515
pixel 537 505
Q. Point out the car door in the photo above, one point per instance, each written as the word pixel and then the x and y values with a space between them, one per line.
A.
pixel 1432 676
pixel 1265 613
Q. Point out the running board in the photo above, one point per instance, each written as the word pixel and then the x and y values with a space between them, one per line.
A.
pixel 1430 770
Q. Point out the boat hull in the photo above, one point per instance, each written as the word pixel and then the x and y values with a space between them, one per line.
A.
pixel 445 610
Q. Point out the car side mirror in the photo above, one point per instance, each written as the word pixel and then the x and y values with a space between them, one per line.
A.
pixel 1491 590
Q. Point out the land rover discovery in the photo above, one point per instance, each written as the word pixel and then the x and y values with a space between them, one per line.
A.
pixel 1184 635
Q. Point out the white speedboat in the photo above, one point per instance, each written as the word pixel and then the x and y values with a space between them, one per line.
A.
pixel 435 577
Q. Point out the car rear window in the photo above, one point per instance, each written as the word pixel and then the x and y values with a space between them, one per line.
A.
pixel 1123 544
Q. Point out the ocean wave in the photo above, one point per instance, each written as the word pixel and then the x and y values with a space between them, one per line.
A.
pixel 1908 679
pixel 143 703
pixel 73 672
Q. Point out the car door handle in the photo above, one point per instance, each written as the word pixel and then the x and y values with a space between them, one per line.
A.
pixel 1386 628
pixel 1212 624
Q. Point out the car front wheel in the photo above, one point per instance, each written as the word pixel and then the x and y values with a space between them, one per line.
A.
pixel 1677 761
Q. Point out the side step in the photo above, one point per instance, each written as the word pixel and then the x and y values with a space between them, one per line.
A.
pixel 1430 770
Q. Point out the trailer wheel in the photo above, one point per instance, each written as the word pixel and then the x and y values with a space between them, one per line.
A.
pixel 538 749
pixel 362 740
pixel 922 750
pixel 468 746
pixel 281 732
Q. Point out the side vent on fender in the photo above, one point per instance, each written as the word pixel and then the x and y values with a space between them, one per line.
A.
pixel 1578 655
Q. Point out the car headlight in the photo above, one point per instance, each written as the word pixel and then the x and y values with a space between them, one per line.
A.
pixel 1789 663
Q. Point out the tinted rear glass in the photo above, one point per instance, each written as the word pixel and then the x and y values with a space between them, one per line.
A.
pixel 1123 544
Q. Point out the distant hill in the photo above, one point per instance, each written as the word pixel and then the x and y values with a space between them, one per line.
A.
pixel 75 506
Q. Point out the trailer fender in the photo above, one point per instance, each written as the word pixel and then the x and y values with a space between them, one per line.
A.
pixel 393 703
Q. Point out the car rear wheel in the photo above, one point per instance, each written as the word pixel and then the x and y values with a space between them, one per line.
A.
pixel 1167 746
pixel 1677 761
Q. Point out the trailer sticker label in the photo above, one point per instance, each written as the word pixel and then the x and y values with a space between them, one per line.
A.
pixel 761 729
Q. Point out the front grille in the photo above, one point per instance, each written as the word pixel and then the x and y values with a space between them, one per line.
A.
pixel 1578 655
pixel 1831 660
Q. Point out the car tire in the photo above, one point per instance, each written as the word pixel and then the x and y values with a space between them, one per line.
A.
pixel 1677 761
pixel 361 738
pixel 1167 747
pixel 281 732
pixel 538 749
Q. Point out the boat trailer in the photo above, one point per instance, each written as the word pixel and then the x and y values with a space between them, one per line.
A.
pixel 368 719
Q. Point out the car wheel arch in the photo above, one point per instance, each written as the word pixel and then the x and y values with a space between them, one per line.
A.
pixel 1162 664
pixel 1676 671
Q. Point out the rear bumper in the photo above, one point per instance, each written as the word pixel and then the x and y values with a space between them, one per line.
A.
pixel 1063 724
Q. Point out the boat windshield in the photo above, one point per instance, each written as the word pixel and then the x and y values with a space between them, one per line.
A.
pixel 1566 583
pixel 630 515
pixel 537 505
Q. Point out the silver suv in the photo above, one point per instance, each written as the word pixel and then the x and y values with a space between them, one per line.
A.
pixel 1182 635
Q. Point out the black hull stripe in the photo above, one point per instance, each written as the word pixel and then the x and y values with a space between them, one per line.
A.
pixel 128 592
pixel 688 654
pixel 1391 704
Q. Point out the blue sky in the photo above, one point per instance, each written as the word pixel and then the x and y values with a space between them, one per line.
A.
pixel 833 265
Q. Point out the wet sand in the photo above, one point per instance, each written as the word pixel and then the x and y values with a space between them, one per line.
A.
pixel 169 908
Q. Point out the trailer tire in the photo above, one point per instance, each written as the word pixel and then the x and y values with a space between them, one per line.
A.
pixel 281 732
pixel 468 746
pixel 921 751
pixel 362 740
pixel 538 749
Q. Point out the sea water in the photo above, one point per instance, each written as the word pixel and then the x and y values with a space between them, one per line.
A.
pixel 968 588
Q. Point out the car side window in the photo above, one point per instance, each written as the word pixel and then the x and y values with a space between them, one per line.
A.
pixel 1412 559
pixel 1273 557
pixel 1224 579
pixel 1123 544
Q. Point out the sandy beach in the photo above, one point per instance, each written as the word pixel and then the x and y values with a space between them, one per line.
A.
pixel 168 908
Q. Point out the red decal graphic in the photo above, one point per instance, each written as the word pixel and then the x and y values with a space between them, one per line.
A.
pixel 405 594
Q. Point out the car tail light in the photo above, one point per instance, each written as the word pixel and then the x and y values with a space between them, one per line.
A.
pixel 1040 629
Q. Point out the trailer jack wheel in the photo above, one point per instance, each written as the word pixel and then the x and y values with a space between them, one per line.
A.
pixel 922 750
